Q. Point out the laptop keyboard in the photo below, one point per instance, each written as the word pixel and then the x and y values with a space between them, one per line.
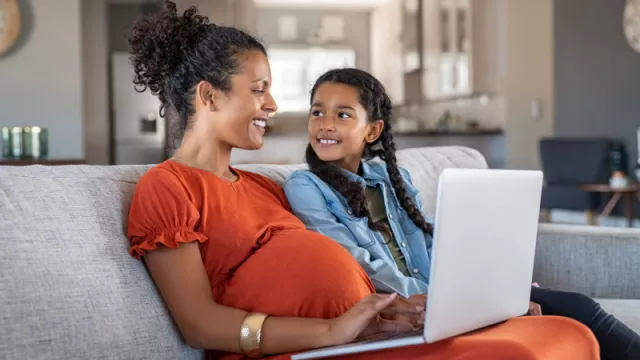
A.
pixel 389 336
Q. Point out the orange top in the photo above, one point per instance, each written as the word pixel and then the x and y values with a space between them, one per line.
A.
pixel 258 255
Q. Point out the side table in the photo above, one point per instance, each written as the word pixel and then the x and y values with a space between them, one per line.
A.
pixel 630 192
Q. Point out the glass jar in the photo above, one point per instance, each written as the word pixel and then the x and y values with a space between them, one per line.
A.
pixel 40 142
pixel 16 142
pixel 5 132
pixel 34 142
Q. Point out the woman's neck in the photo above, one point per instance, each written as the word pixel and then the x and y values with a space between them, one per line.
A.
pixel 198 151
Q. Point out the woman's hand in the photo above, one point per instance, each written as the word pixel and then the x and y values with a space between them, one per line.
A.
pixel 419 300
pixel 410 310
pixel 364 319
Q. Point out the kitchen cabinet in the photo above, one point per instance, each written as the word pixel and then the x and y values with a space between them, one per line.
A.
pixel 437 49
pixel 447 45
pixel 411 35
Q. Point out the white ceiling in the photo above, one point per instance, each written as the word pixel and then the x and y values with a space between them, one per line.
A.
pixel 335 4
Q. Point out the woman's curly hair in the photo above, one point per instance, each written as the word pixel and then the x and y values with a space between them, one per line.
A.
pixel 172 53
pixel 376 102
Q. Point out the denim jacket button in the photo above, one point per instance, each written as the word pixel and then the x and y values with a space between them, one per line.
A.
pixel 390 216
pixel 415 271
pixel 404 244
pixel 349 212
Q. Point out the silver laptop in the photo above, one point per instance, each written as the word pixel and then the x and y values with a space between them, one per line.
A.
pixel 482 257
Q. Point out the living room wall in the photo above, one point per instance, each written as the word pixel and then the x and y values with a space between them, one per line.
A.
pixel 597 73
pixel 529 78
pixel 41 79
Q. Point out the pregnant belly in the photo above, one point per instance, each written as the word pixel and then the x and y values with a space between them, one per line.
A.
pixel 297 273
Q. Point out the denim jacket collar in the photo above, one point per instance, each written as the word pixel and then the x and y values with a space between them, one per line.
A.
pixel 370 174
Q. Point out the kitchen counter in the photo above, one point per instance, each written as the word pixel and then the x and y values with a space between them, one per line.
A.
pixel 470 132
pixel 288 147
pixel 490 143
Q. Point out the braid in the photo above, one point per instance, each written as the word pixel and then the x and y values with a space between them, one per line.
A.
pixel 351 190
pixel 388 154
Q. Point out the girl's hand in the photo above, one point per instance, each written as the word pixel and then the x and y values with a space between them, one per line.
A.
pixel 534 309
pixel 364 319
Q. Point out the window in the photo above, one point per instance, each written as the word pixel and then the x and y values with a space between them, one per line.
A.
pixel 294 70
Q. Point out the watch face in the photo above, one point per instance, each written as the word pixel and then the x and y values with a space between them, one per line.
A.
pixel 631 23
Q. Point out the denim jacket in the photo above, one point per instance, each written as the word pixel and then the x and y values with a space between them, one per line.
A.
pixel 324 210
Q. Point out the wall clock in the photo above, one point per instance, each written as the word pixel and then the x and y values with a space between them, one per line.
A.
pixel 631 23
pixel 9 24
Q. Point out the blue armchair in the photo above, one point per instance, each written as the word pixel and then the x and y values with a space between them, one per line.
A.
pixel 569 162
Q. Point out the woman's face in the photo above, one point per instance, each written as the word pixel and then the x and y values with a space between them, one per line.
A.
pixel 339 128
pixel 243 111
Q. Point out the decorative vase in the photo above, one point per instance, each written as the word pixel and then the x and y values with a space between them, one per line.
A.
pixel 618 159
pixel 619 180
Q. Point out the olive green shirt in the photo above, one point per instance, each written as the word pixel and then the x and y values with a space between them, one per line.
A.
pixel 375 202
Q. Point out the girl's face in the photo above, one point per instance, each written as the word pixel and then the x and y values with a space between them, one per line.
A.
pixel 339 127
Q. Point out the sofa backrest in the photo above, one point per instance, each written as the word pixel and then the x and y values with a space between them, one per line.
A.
pixel 69 289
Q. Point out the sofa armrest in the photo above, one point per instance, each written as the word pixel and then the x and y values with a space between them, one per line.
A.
pixel 600 262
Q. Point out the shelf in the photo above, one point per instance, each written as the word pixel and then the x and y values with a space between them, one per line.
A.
pixel 47 162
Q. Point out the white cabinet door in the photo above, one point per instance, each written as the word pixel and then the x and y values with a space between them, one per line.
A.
pixel 448 48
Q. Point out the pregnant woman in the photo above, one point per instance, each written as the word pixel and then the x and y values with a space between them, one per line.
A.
pixel 240 274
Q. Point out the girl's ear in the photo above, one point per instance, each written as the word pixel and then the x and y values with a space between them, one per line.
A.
pixel 375 129
pixel 206 94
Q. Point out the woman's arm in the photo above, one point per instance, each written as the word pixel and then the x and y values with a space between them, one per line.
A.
pixel 182 280
pixel 310 206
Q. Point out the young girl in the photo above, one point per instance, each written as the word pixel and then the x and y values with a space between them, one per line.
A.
pixel 372 209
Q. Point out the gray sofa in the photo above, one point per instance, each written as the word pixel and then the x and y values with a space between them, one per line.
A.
pixel 69 290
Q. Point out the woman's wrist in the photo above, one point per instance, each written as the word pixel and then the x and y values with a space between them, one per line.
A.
pixel 328 335
pixel 283 334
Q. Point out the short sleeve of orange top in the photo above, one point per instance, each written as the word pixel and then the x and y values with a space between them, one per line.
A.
pixel 258 255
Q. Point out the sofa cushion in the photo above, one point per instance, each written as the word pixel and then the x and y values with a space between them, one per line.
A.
pixel 626 310
pixel 69 288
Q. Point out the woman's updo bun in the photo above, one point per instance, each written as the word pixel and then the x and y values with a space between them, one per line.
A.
pixel 171 53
